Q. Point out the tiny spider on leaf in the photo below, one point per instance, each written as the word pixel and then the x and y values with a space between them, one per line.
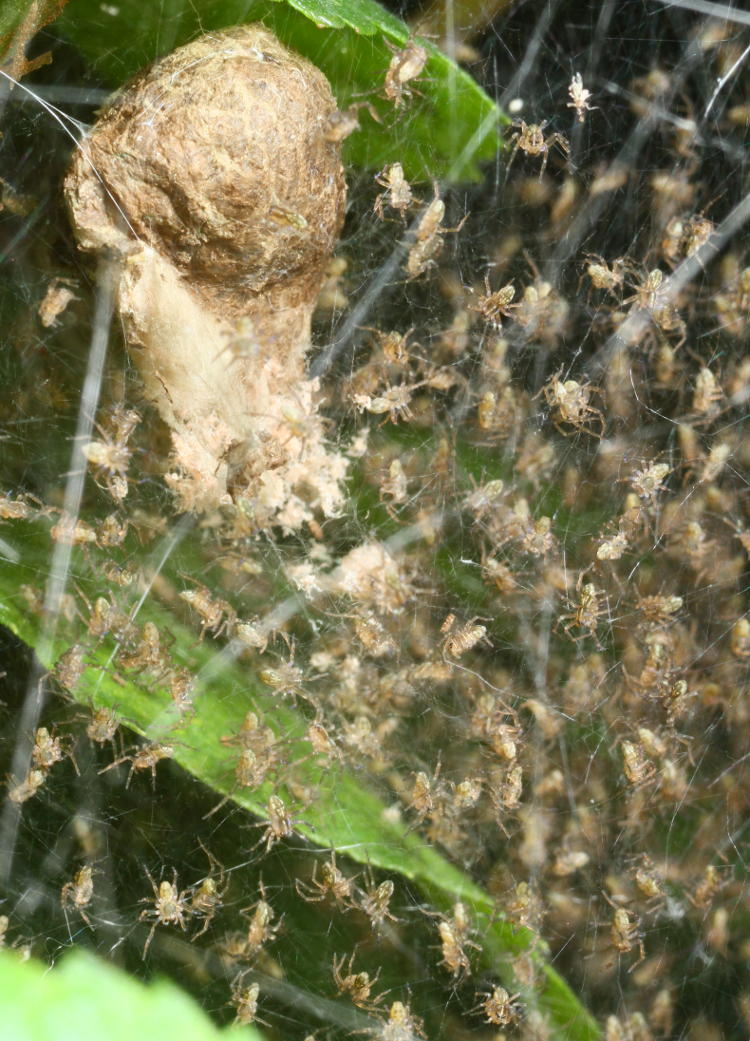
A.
pixel 405 66
pixel 144 757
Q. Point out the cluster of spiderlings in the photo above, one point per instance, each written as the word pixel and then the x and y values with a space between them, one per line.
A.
pixel 528 633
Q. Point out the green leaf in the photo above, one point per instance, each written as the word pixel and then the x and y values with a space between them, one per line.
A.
pixel 345 815
pixel 85 999
pixel 444 131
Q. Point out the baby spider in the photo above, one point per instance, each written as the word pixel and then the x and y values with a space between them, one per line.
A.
pixel 250 772
pixel 649 882
pixel 375 902
pixel 48 750
pixel 659 611
pixel 241 342
pixel 333 883
pixel 712 881
pixel 397 194
pixel 206 896
pixel 579 97
pixel 70 667
pixel 79 892
pixel 216 615
pixel 394 345
pixel 405 66
pixel 252 734
pixel 280 823
pixel 707 393
pixel 625 934
pixel 56 299
pixel 530 139
pixel 110 457
pixel 145 757
pixel 71 532
pixel 285 678
pixel 261 929
pixel 251 634
pixel 245 1001
pixel 28 787
pixel 393 402
pixel 506 796
pixel 499 1008
pixel 170 906
pixel 651 294
pixel 649 482
pixel 637 767
pixel 602 276
pixel 592 604
pixel 323 744
pixel 428 238
pixel 15 509
pixel 401 1025
pixel 648 291
pixel 459 641
pixel 493 307
pixel 356 985
pixel 343 122
pixel 424 794
pixel 102 619
pixel 454 939
pixel 148 653
pixel 570 403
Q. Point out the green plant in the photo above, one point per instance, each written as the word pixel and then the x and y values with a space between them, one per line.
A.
pixel 83 993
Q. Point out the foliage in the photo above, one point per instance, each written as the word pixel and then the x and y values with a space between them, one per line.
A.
pixel 86 999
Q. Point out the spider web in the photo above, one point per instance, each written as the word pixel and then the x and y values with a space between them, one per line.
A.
pixel 612 673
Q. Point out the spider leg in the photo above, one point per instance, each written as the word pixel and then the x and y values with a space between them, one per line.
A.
pixel 150 937
pixel 206 923
pixel 117 762
pixel 517 145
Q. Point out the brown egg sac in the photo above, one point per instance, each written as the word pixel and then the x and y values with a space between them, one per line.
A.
pixel 211 180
